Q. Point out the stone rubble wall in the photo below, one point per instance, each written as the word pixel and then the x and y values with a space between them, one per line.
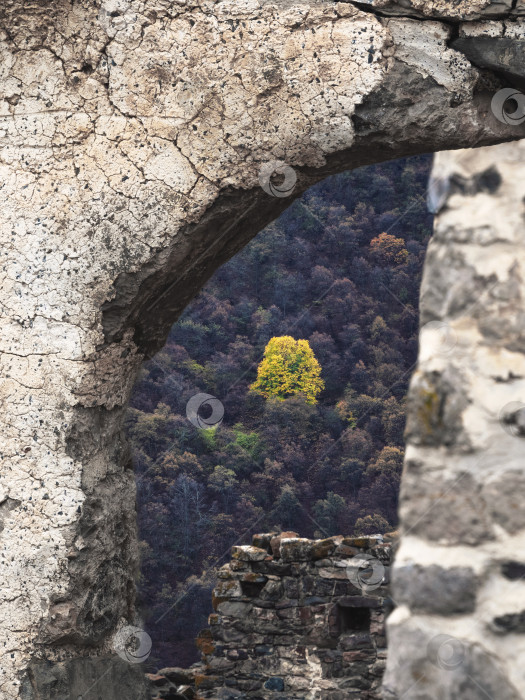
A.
pixel 296 619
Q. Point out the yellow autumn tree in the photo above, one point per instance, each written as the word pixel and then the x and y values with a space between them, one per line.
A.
pixel 289 368
pixel 389 250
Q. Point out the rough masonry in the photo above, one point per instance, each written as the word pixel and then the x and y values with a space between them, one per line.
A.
pixel 295 618
pixel 459 579
pixel 132 137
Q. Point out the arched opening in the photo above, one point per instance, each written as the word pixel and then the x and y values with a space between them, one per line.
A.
pixel 340 268
pixel 132 137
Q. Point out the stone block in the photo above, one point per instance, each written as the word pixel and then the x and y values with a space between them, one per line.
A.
pixel 296 549
pixel 334 572
pixel 263 541
pixel 275 683
pixel 456 667
pixel 435 410
pixel 360 640
pixel 248 553
pixel 436 590
pixel 344 550
pixel 504 498
pixel 448 510
pixel 292 587
pixel 271 567
pixel 324 548
pixel 352 657
pixel 228 589
pixel 275 542
pixel 263 650
pixel 273 590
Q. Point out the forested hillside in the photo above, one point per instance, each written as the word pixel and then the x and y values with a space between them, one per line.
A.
pixel 340 268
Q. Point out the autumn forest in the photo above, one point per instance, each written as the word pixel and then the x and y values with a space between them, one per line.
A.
pixel 340 269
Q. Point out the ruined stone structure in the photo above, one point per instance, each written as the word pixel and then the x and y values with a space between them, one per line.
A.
pixel 295 618
pixel 133 137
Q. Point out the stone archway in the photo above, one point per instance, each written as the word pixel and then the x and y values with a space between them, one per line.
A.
pixel 132 137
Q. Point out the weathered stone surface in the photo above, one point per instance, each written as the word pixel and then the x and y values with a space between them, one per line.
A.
pixel 275 683
pixel 333 573
pixel 344 550
pixel 295 549
pixel 263 541
pixel 436 409
pixel 442 508
pixel 503 55
pixel 436 590
pixel 234 609
pixel 461 506
pixel 360 602
pixel 324 548
pixel 288 640
pixel 504 497
pixel 103 677
pixel 356 641
pixel 362 542
pixel 439 662
pixel 275 542
pixel 132 136
pixel 248 553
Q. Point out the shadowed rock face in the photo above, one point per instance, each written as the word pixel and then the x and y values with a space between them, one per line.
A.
pixel 132 135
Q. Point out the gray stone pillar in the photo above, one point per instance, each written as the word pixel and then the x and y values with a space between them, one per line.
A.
pixel 459 577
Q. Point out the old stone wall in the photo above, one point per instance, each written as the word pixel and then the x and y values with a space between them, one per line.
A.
pixel 134 135
pixel 296 619
pixel 459 574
